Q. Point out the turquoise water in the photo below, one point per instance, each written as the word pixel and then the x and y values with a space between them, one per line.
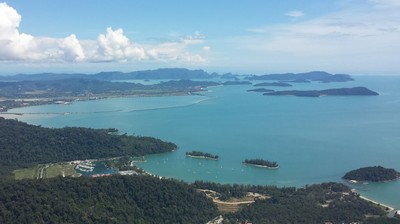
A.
pixel 313 139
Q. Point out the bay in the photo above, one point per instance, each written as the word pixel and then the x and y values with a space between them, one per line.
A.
pixel 314 140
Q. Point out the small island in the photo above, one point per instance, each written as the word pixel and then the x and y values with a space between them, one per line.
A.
pixel 372 174
pixel 202 155
pixel 261 163
pixel 262 90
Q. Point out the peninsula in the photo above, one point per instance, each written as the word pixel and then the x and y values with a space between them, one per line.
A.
pixel 261 163
pixel 372 174
pixel 202 155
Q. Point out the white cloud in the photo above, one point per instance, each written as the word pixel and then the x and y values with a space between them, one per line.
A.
pixel 72 49
pixel 295 14
pixel 113 46
pixel 364 38
pixel 386 3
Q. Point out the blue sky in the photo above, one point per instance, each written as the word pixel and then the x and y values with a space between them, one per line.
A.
pixel 254 36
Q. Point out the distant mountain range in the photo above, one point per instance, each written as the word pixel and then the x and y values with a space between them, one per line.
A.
pixel 162 73
pixel 180 73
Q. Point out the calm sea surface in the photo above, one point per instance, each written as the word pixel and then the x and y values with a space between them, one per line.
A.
pixel 313 139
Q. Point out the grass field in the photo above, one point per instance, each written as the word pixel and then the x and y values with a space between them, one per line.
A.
pixel 63 170
pixel 27 173
pixel 45 171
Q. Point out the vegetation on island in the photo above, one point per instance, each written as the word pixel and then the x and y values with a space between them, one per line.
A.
pixel 355 91
pixel 261 163
pixel 372 174
pixel 23 145
pixel 262 90
pixel 202 155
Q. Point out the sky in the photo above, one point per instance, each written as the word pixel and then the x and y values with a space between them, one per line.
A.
pixel 360 37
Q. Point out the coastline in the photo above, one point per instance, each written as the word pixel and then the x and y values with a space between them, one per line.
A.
pixel 261 166
pixel 202 157
pixel 378 203
pixel 15 115
pixel 72 99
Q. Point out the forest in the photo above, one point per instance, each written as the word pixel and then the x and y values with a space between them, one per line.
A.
pixel 23 145
pixel 319 203
pixel 372 174
pixel 115 199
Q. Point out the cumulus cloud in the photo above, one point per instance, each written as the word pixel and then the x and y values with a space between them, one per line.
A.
pixel 115 46
pixel 72 49
pixel 112 46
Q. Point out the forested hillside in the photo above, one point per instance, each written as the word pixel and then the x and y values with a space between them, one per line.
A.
pixel 23 145
pixel 116 199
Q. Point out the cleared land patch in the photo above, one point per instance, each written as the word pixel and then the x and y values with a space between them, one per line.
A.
pixel 46 171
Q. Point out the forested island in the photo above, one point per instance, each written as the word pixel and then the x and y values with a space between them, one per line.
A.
pixel 261 163
pixel 355 91
pixel 205 155
pixel 262 90
pixel 372 174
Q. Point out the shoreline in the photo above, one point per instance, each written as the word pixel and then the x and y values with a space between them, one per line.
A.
pixel 261 166
pixel 201 157
pixel 71 99
pixel 15 115
pixel 390 209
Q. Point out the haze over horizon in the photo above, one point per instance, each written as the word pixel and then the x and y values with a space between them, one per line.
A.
pixel 359 37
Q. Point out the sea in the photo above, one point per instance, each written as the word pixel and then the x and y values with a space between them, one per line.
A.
pixel 314 140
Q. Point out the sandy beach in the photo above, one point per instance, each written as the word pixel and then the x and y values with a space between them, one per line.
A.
pixel 377 203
